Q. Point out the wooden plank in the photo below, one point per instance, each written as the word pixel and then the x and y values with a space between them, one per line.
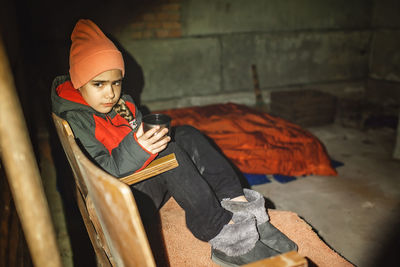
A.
pixel 117 216
pixel 100 253
pixel 23 173
pixel 289 259
pixel 157 166
pixel 64 132
pixel 13 248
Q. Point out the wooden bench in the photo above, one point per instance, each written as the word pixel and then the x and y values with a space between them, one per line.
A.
pixel 110 213
pixel 107 205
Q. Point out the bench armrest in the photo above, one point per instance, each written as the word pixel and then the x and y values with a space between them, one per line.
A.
pixel 155 167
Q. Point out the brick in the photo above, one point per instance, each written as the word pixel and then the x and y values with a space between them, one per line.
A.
pixel 162 16
pixel 153 25
pixel 170 7
pixel 168 16
pixel 171 25
pixel 162 33
pixel 148 34
pixel 149 17
pixel 137 26
pixel 175 33
pixel 137 35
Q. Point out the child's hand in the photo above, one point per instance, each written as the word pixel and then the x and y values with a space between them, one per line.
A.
pixel 152 140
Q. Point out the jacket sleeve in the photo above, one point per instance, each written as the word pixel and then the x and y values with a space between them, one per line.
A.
pixel 124 159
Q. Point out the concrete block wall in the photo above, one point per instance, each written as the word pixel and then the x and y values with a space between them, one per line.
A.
pixel 396 151
pixel 383 85
pixel 384 77
pixel 206 49
pixel 384 66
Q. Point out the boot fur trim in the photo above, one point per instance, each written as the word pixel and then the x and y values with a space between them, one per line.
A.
pixel 255 205
pixel 238 238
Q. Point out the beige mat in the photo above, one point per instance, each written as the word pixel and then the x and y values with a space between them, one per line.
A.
pixel 183 249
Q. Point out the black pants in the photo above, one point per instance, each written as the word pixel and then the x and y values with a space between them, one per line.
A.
pixel 204 177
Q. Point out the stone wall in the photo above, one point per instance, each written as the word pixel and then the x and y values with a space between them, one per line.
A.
pixel 200 52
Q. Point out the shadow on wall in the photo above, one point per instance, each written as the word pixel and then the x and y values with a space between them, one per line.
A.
pixel 133 82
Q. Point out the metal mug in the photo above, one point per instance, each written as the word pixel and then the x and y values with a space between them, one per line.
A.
pixel 157 119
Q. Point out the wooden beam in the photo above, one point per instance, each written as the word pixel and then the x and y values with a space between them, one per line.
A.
pixel 23 173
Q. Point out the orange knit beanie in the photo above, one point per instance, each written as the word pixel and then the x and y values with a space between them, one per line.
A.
pixel 91 54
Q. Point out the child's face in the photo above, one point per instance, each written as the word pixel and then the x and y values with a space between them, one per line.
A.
pixel 103 91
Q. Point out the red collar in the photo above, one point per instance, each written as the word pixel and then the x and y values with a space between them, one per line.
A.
pixel 67 91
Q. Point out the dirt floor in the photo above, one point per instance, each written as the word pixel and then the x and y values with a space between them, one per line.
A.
pixel 355 212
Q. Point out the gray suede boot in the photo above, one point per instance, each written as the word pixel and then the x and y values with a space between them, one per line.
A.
pixel 238 243
pixel 269 234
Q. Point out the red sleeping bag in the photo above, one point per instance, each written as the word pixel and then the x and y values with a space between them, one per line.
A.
pixel 257 142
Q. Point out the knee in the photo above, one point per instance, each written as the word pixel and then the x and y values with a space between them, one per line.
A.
pixel 174 148
pixel 186 131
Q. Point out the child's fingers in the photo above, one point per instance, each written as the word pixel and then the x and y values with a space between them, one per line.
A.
pixel 150 133
pixel 160 144
pixel 159 135
pixel 155 141
pixel 140 131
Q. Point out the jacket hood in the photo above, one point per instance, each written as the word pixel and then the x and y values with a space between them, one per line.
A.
pixel 72 100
